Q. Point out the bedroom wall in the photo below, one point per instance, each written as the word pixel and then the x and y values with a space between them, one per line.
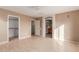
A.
pixel 70 20
pixel 25 24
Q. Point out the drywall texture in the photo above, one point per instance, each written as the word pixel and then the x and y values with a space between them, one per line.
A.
pixel 25 24
pixel 70 20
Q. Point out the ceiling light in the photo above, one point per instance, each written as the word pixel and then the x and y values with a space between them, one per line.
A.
pixel 34 7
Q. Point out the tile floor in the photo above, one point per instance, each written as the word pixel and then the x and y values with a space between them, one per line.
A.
pixel 38 44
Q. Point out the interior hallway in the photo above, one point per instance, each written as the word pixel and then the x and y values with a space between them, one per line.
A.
pixel 38 44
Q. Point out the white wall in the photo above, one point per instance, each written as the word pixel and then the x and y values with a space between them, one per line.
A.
pixel 43 27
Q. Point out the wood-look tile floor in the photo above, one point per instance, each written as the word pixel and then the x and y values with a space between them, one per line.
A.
pixel 38 44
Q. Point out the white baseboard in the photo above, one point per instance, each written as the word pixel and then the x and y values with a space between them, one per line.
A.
pixel 24 37
pixel 4 42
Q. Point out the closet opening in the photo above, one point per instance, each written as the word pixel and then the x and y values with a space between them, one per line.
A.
pixel 13 28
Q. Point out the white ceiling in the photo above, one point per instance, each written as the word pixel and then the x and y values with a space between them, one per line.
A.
pixel 37 11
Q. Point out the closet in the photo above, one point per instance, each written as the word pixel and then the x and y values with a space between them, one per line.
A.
pixel 13 27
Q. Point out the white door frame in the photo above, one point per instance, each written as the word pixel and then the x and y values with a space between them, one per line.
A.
pixel 8 26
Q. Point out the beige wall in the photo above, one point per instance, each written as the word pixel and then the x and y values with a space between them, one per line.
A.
pixel 25 24
pixel 70 20
pixel 25 27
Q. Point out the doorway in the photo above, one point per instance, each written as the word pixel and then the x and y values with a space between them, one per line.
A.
pixel 37 27
pixel 32 27
pixel 13 28
pixel 49 27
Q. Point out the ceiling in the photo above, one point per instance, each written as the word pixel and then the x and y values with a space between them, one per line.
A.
pixel 38 11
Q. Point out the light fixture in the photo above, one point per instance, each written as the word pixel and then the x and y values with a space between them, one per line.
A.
pixel 34 7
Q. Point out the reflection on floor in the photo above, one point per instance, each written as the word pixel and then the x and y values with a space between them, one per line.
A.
pixel 13 38
pixel 49 35
pixel 38 44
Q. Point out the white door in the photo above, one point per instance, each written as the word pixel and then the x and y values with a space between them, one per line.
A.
pixel 37 27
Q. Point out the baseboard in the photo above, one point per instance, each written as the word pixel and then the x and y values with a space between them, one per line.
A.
pixel 24 37
pixel 4 42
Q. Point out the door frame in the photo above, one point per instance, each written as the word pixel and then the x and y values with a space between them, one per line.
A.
pixel 39 28
pixel 8 26
pixel 46 29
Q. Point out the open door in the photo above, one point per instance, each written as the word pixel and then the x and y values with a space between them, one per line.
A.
pixel 37 27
